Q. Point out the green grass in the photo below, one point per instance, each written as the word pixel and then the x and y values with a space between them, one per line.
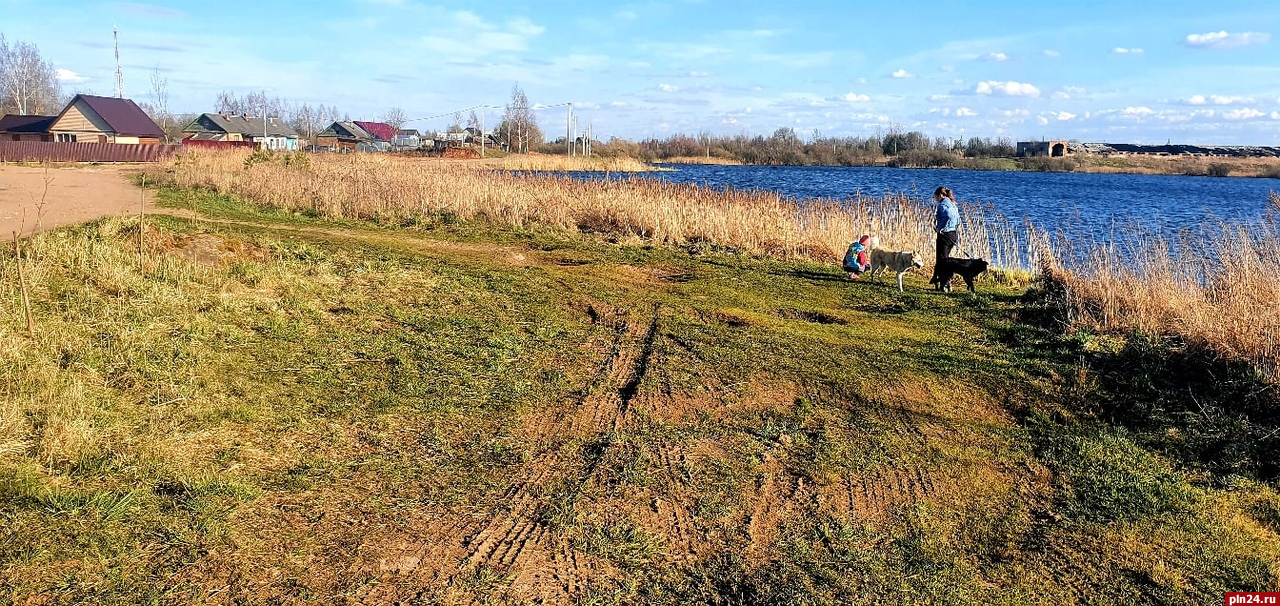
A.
pixel 265 428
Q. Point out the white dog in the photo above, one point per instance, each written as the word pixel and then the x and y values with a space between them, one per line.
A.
pixel 900 262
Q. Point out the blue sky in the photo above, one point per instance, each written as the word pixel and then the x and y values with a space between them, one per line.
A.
pixel 1191 72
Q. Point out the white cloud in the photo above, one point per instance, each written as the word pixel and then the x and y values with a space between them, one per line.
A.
pixel 1069 92
pixel 854 98
pixel 1051 53
pixel 1219 100
pixel 994 57
pixel 617 104
pixel 964 112
pixel 860 81
pixel 1244 113
pixel 66 75
pixel 939 97
pixel 1138 111
pixel 1225 40
pixel 697 74
pixel 1225 100
pixel 1063 116
pixel 1119 50
pixel 1007 89
pixel 1275 115
pixel 668 88
pixel 1016 113
pixel 1042 121
pixel 902 73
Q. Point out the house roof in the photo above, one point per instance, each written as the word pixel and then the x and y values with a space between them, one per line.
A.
pixel 249 126
pixel 26 124
pixel 408 132
pixel 348 130
pixel 378 129
pixel 122 115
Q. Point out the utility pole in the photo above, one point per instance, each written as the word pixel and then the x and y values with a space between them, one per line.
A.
pixel 115 33
pixel 482 132
pixel 568 132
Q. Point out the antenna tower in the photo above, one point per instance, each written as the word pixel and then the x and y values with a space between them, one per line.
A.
pixel 115 32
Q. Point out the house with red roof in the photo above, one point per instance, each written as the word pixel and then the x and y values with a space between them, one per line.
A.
pixel 94 119
pixel 356 136
pixel 380 131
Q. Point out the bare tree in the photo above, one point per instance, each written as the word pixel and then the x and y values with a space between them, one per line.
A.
pixel 395 118
pixel 519 125
pixel 28 83
pixel 252 104
pixel 456 125
pixel 160 100
pixel 473 122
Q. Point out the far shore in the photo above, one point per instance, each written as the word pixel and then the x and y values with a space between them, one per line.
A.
pixel 1201 166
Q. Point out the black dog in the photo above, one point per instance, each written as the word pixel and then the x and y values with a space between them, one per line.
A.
pixel 969 269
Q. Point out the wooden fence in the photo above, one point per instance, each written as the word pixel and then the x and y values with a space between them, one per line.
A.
pixel 44 151
pixel 220 144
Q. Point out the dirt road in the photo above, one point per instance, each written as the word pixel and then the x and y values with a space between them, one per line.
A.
pixel 69 195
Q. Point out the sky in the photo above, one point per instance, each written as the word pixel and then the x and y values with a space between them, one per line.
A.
pixel 1121 72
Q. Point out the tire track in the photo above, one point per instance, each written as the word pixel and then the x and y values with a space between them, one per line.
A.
pixel 517 541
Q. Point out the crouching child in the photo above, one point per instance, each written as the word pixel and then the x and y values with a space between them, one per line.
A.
pixel 857 259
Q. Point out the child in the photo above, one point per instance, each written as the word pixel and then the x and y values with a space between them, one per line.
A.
pixel 857 259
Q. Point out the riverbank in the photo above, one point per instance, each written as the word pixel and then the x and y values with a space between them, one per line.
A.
pixel 1201 166
pixel 273 405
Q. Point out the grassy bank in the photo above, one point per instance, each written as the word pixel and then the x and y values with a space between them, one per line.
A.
pixel 274 406
pixel 757 222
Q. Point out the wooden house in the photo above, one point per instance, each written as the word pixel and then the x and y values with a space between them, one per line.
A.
pixel 343 136
pixel 271 134
pixel 90 119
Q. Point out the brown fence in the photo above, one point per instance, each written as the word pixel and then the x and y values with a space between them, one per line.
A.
pixel 44 151
pixel 220 144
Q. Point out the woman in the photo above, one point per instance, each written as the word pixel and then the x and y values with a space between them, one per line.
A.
pixel 945 224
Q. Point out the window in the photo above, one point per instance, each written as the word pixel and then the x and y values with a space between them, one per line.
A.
pixel 66 138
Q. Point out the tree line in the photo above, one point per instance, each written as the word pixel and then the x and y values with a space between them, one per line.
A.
pixel 786 148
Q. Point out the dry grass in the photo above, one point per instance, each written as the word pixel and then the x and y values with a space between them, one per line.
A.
pixel 544 162
pixel 1180 165
pixel 756 222
pixel 1218 293
pixel 701 160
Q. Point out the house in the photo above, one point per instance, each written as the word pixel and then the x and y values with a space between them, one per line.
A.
pixel 26 128
pixel 271 134
pixel 1036 149
pixel 407 139
pixel 344 136
pixel 382 132
pixel 90 119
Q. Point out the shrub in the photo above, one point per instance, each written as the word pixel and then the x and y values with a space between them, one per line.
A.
pixel 1219 169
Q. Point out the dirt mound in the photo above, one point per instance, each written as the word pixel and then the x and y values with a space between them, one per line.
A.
pixel 461 153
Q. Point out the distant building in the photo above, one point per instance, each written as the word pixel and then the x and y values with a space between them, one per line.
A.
pixel 1043 149
pixel 273 134
pixel 407 138
pixel 383 134
pixel 26 128
pixel 93 119
pixel 342 137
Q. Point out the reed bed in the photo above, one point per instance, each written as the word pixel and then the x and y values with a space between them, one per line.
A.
pixel 755 222
pixel 1217 289
pixel 708 160
pixel 544 162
